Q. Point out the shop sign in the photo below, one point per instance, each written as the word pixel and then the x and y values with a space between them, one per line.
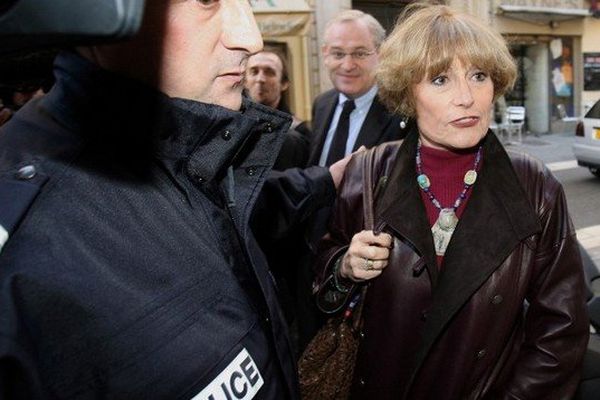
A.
pixel 591 71
pixel 575 4
pixel 561 65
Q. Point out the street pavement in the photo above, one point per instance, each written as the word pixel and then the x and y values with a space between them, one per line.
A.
pixel 582 189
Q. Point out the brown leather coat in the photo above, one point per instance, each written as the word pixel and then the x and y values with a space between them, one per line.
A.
pixel 503 318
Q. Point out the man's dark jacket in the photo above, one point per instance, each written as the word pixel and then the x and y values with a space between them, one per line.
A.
pixel 379 126
pixel 294 150
pixel 130 270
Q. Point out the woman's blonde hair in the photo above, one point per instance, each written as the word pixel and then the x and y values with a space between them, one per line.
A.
pixel 425 42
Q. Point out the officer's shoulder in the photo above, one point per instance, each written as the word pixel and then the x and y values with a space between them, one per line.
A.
pixel 18 189
pixel 27 150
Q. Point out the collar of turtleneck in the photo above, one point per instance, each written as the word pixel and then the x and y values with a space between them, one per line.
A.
pixel 130 118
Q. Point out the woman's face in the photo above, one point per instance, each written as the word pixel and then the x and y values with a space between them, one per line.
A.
pixel 453 109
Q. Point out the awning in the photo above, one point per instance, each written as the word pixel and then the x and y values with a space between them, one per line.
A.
pixel 541 15
pixel 282 17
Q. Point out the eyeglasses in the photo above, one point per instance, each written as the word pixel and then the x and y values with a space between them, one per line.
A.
pixel 339 55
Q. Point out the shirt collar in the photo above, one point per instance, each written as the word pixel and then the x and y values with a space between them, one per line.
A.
pixel 362 101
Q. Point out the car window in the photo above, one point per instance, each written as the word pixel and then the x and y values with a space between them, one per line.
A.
pixel 594 112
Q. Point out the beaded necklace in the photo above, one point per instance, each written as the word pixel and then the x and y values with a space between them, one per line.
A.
pixel 444 226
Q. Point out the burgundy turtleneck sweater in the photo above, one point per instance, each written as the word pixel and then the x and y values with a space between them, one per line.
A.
pixel 446 171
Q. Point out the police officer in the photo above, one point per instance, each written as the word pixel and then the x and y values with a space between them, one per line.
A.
pixel 127 269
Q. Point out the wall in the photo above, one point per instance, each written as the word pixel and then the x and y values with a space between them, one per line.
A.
pixel 590 42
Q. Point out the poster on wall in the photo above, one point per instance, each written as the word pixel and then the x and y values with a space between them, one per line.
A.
pixel 591 71
pixel 561 65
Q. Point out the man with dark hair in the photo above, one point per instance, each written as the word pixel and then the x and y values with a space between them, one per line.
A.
pixel 127 266
pixel 266 81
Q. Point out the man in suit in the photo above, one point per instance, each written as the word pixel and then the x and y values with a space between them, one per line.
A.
pixel 266 81
pixel 351 55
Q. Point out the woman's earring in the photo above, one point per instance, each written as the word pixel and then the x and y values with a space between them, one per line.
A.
pixel 403 122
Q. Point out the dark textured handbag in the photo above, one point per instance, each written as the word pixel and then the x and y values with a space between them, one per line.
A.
pixel 327 365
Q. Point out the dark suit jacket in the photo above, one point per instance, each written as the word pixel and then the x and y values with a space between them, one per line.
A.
pixel 294 151
pixel 379 126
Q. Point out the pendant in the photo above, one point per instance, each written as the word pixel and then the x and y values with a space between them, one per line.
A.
pixel 470 177
pixel 443 229
pixel 423 181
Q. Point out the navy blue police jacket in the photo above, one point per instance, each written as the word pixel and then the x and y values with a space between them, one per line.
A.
pixel 127 267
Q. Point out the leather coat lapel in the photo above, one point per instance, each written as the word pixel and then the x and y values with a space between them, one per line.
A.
pixel 496 219
pixel 401 207
pixel 374 126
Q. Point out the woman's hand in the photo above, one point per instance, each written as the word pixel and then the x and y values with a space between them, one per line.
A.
pixel 366 257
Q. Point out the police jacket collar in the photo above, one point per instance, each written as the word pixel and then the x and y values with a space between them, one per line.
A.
pixel 131 119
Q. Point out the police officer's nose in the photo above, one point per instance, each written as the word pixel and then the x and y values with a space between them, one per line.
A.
pixel 240 30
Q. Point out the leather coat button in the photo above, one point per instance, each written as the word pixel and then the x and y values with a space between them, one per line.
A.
pixel 480 354
pixel 362 382
pixel 226 135
pixel 26 172
pixel 361 335
pixel 269 128
pixel 424 315
pixel 251 171
pixel 497 299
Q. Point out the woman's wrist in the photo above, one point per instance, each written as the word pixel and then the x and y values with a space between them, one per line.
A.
pixel 337 277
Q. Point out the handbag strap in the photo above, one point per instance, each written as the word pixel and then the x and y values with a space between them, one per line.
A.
pixel 368 206
pixel 368 222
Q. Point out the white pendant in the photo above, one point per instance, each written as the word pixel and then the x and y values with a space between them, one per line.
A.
pixel 443 229
pixel 470 177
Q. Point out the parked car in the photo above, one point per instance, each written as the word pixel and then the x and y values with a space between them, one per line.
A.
pixel 587 140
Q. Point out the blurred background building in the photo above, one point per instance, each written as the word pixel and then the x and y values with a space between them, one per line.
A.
pixel 555 42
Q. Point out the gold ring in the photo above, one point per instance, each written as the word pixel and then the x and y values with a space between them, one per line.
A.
pixel 368 266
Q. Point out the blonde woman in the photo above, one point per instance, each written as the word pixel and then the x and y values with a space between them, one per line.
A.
pixel 476 288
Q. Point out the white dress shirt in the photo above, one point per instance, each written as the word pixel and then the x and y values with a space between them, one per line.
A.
pixel 357 118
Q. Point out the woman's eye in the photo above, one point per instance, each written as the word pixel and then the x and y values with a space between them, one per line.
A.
pixel 439 80
pixel 480 76
pixel 207 2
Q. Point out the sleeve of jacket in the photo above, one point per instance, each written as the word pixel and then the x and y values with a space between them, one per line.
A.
pixel 288 198
pixel 19 376
pixel 346 220
pixel 556 322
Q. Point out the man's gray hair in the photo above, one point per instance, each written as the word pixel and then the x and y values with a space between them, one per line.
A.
pixel 377 31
